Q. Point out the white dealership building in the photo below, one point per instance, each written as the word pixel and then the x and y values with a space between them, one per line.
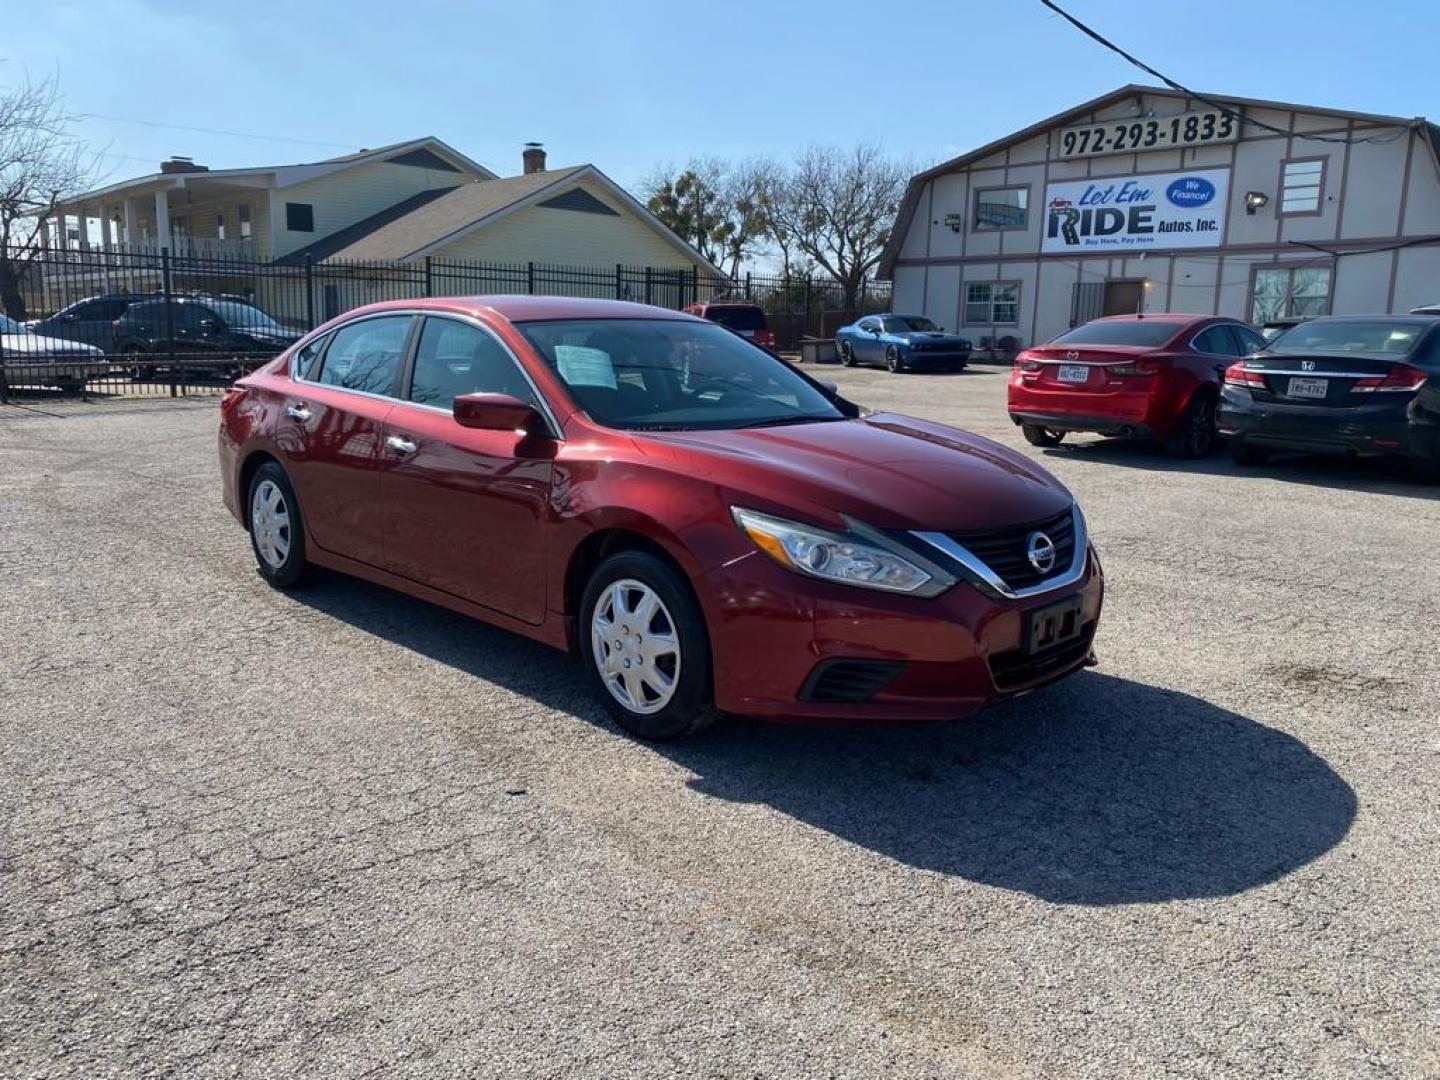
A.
pixel 1149 199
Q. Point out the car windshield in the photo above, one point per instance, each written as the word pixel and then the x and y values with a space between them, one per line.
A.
pixel 234 313
pixel 663 374
pixel 1351 335
pixel 1127 332
pixel 737 318
pixel 10 326
pixel 900 324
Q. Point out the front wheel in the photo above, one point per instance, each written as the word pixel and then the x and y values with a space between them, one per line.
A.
pixel 847 354
pixel 276 533
pixel 1036 435
pixel 892 361
pixel 1195 435
pixel 643 644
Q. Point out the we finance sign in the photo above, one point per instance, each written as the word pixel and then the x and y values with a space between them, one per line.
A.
pixel 1157 210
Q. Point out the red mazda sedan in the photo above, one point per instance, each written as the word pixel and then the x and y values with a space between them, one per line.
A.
pixel 1147 376
pixel 707 527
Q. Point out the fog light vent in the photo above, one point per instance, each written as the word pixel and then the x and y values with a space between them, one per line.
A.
pixel 849 680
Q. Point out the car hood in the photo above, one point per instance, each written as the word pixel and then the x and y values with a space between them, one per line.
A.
pixel 36 345
pixel 886 470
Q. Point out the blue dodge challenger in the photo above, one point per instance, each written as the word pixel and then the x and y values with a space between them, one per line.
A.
pixel 901 343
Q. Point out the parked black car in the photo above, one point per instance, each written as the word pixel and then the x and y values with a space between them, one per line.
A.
pixel 202 333
pixel 1367 385
pixel 91 321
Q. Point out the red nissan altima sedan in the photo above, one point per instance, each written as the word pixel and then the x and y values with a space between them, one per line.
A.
pixel 707 527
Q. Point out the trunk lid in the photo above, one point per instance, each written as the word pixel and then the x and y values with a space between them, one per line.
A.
pixel 1060 366
pixel 1324 379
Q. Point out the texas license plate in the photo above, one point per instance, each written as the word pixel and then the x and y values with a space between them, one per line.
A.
pixel 1075 373
pixel 1308 388
pixel 1054 625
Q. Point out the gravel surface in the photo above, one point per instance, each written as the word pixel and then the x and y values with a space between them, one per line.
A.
pixel 344 833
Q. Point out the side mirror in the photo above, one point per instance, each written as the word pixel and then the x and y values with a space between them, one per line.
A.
pixel 497 412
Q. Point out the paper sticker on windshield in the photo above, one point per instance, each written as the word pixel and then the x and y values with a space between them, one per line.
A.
pixel 581 365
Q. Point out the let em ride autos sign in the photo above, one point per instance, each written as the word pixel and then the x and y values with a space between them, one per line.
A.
pixel 1130 213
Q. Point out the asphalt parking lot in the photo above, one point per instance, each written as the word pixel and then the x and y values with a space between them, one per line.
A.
pixel 345 833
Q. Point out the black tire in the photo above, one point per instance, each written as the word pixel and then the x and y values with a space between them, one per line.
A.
pixel 290 570
pixel 1036 435
pixel 135 371
pixel 1425 470
pixel 1243 453
pixel 892 360
pixel 690 708
pixel 847 355
pixel 1196 434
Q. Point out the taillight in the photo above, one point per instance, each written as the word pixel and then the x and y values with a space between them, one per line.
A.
pixel 1140 367
pixel 1240 375
pixel 1025 362
pixel 1400 378
pixel 115 326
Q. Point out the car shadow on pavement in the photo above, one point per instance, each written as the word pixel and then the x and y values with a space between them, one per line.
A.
pixel 1098 790
pixel 1376 475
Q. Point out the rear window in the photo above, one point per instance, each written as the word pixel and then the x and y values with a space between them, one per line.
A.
pixel 1139 332
pixel 737 318
pixel 1351 335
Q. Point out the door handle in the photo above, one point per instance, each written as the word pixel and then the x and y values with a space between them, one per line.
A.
pixel 399 444
pixel 298 411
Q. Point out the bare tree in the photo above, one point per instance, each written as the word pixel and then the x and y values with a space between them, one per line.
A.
pixel 41 164
pixel 837 207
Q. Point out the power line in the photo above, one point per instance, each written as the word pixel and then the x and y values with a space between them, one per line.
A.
pixel 215 131
pixel 1095 35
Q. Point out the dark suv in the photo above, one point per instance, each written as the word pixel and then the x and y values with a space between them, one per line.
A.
pixel 90 321
pixel 203 333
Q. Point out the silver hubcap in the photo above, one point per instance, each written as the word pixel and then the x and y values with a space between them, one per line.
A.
pixel 270 523
pixel 636 646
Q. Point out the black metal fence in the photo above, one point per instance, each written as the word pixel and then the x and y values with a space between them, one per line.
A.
pixel 299 296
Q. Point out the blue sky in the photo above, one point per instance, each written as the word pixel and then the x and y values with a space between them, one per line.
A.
pixel 630 85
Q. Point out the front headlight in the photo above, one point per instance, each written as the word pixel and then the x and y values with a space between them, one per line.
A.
pixel 859 556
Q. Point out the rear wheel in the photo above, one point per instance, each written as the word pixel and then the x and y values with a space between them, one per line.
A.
pixel 132 353
pixel 1243 453
pixel 1195 435
pixel 276 533
pixel 892 360
pixel 1036 435
pixel 643 645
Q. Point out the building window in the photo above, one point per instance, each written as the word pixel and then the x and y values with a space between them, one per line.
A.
pixel 299 217
pixel 242 213
pixel 992 303
pixel 220 226
pixel 1282 292
pixel 1301 185
pixel 1001 208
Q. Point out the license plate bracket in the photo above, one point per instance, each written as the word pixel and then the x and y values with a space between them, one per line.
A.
pixel 1057 624
pixel 1312 389
pixel 1073 373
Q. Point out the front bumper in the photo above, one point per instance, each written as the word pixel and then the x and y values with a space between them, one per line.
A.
pixel 910 358
pixel 1368 430
pixel 775 634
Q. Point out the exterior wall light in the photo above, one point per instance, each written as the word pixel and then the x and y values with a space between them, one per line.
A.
pixel 953 222
pixel 1254 200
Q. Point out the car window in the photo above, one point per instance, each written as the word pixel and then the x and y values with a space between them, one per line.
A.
pixel 737 318
pixel 1217 340
pixel 10 326
pixel 109 309
pixel 455 358
pixel 668 374
pixel 1250 341
pixel 303 363
pixel 1352 335
pixel 365 355
pixel 1120 332
pixel 901 324
pixel 189 317
pixel 869 324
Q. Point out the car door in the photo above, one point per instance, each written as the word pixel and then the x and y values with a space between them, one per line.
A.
pixel 1216 348
pixel 465 510
pixel 867 347
pixel 332 430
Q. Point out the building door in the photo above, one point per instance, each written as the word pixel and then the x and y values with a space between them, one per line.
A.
pixel 1123 297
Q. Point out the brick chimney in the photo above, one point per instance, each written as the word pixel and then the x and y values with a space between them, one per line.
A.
pixel 178 164
pixel 534 157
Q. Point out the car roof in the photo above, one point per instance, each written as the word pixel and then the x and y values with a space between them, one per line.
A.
pixel 522 308
pixel 1423 319
pixel 1165 316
